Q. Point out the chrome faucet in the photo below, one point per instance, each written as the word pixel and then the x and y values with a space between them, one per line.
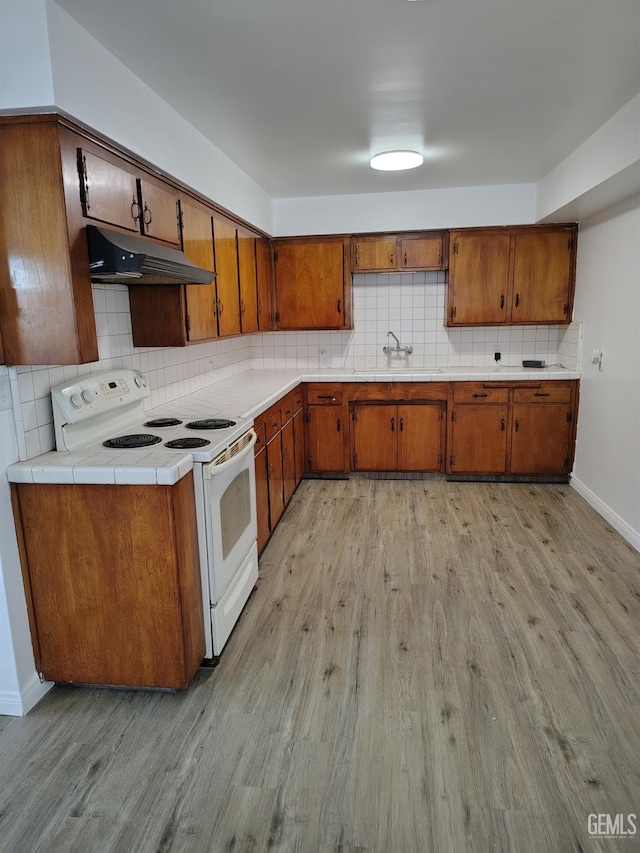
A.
pixel 397 348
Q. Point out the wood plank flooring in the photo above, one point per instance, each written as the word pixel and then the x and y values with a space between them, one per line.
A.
pixel 425 666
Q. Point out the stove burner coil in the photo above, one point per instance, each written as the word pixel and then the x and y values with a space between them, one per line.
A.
pixel 187 443
pixel 134 440
pixel 162 422
pixel 210 423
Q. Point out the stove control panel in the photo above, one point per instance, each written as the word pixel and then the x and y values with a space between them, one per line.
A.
pixel 113 388
pixel 87 406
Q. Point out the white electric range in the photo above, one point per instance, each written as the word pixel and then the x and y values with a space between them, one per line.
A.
pixel 104 434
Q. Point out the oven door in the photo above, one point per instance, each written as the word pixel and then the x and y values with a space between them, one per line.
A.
pixel 229 513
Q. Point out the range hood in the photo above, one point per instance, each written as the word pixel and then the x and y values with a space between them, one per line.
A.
pixel 127 259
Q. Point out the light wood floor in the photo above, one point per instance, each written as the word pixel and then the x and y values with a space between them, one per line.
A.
pixel 425 666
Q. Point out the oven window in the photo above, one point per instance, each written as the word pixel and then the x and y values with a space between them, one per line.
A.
pixel 235 511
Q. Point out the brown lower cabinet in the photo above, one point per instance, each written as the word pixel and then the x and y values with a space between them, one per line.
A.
pixel 279 461
pixel 494 428
pixel 115 600
pixel 523 429
pixel 403 437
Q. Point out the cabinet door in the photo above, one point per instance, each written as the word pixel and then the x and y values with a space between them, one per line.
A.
pixel 197 237
pixel 375 437
pixel 263 276
pixel 262 498
pixel 543 278
pixel 374 254
pixel 325 439
pixel 479 439
pixel 420 437
pixel 478 278
pixel 423 253
pixel 541 434
pixel 160 212
pixel 288 461
pixel 310 284
pixel 226 252
pixel 248 281
pixel 276 485
pixel 298 444
pixel 109 193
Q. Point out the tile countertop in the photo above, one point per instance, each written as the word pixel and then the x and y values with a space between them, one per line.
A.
pixel 245 395
pixel 249 394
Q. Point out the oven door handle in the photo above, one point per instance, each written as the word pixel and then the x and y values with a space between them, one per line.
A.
pixel 211 469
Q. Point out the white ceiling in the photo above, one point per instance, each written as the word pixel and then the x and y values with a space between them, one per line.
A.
pixel 300 93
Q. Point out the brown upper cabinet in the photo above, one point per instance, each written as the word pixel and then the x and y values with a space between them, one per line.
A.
pixel 247 275
pixel 116 195
pixel 46 302
pixel 511 275
pixel 264 285
pixel 177 314
pixel 397 252
pixel 312 282
pixel 227 283
pixel 197 244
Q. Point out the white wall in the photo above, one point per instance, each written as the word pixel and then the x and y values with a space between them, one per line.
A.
pixel 607 467
pixel 602 171
pixel 95 87
pixel 456 207
pixel 26 79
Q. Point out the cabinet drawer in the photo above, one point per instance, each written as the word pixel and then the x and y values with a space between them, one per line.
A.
pixel 324 393
pixel 273 421
pixel 550 392
pixel 479 392
pixel 297 399
pixel 287 408
pixel 261 431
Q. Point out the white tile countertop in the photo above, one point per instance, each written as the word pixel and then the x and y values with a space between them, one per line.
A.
pixel 249 394
pixel 245 395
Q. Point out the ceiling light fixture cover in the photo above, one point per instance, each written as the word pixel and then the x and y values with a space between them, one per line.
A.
pixel 396 161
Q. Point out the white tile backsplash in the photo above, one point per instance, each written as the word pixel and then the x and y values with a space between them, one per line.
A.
pixel 411 305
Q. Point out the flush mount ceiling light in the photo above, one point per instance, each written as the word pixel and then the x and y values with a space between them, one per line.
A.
pixel 396 161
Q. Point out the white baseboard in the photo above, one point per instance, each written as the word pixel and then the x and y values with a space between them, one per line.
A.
pixel 14 703
pixel 632 536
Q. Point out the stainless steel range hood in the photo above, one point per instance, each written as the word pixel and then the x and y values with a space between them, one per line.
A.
pixel 127 259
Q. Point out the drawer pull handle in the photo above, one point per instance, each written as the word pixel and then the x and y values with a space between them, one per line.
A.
pixel 517 425
pixel 517 299
pixel 338 425
pixel 274 424
pixel 135 210
pixel 480 395
pixel 502 425
pixel 147 215
pixel 393 424
pixel 542 394
pixel 401 424
pixel 502 300
pixel 339 306
pixel 325 397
